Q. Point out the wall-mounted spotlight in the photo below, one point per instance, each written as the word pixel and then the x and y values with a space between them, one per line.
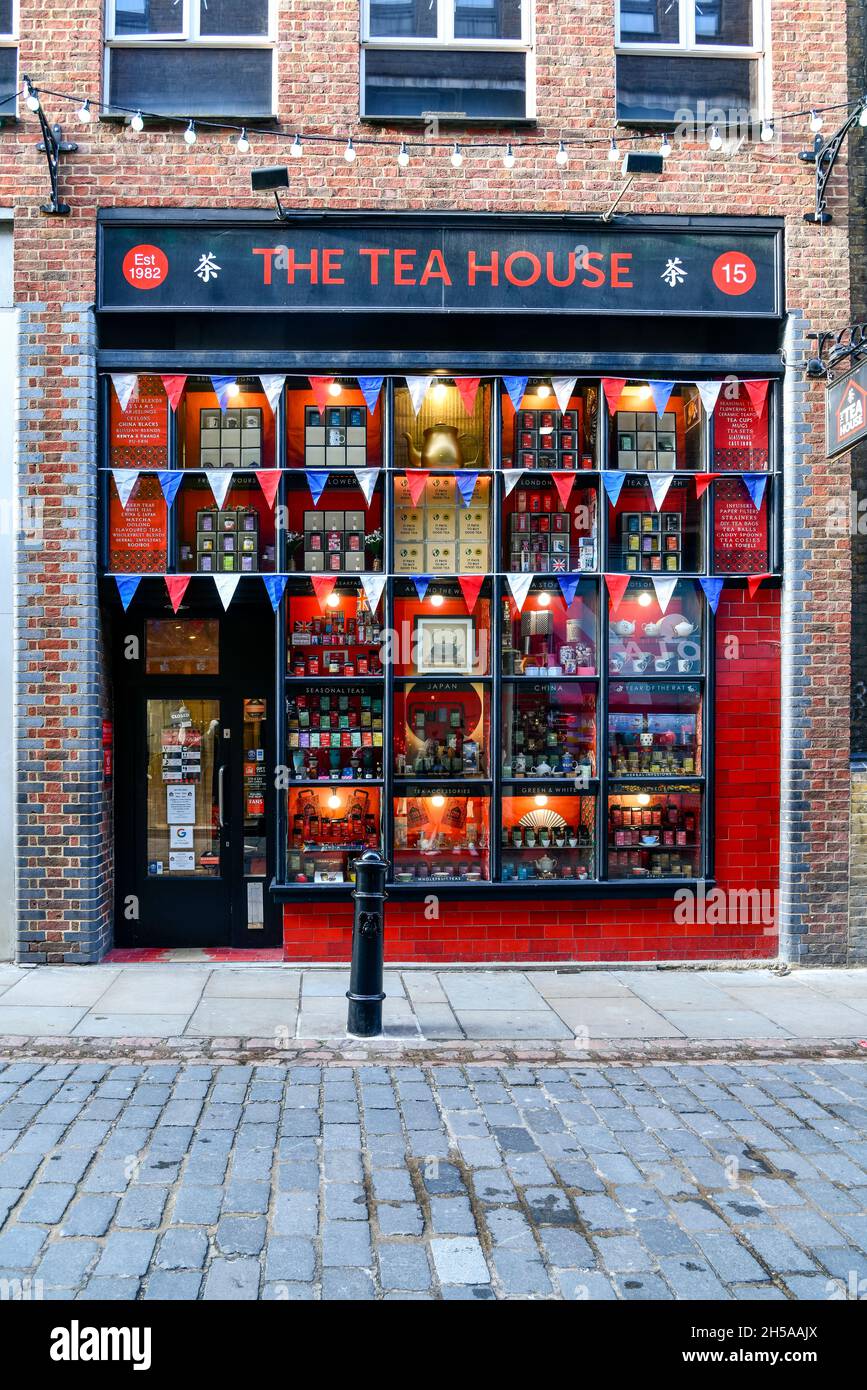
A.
pixel 271 178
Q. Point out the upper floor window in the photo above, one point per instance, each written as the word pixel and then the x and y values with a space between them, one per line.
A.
pixel 8 58
pixel 191 57
pixel 718 76
pixel 453 60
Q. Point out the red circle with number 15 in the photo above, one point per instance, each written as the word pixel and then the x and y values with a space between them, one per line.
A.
pixel 734 273
pixel 145 267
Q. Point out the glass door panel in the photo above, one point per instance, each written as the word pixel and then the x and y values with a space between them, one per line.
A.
pixel 184 777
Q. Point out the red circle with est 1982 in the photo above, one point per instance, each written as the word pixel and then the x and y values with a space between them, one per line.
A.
pixel 734 273
pixel 145 267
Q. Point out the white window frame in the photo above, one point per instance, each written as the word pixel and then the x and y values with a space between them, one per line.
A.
pixel 190 37
pixel 11 40
pixel 445 39
pixel 692 45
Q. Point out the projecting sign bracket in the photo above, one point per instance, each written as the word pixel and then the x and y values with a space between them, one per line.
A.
pixel 53 145
pixel 824 155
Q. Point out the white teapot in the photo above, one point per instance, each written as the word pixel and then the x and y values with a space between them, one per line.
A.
pixel 624 628
pixel 651 629
pixel 684 628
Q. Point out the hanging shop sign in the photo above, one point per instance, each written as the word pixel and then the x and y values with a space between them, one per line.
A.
pixel 437 266
pixel 846 411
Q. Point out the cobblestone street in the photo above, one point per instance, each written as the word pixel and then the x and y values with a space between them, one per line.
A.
pixel 650 1181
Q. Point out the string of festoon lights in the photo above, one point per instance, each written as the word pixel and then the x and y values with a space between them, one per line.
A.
pixel 405 150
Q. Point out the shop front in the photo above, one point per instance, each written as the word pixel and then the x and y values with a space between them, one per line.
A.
pixel 455 538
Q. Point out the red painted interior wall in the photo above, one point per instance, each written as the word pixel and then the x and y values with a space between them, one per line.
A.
pixel 747 838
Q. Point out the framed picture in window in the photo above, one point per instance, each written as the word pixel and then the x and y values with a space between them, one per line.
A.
pixel 445 646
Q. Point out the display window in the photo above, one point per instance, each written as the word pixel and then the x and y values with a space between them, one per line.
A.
pixel 441 836
pixel 442 526
pixel 740 528
pixel 442 729
pixel 335 636
pixel 334 733
pixel 341 433
pixel 338 532
pixel 183 814
pixel 548 533
pixel 548 730
pixel 138 532
pixel 654 729
pixel 644 640
pixel 547 833
pixel 644 441
pixel 328 828
pixel 443 433
pixel 539 435
pixel 655 832
pixel 646 539
pixel 242 435
pixel 139 435
pixel 237 538
pixel 182 647
pixel 741 436
pixel 547 635
pixel 439 634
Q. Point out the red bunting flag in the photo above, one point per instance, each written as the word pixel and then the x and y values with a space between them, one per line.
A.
pixel 617 585
pixel 174 388
pixel 703 482
pixel 468 387
pixel 319 386
pixel 564 483
pixel 613 388
pixel 415 481
pixel 754 583
pixel 323 585
pixel 269 481
pixel 757 392
pixel 470 587
pixel 177 587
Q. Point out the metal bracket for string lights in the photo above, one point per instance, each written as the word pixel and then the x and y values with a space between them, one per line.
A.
pixel 823 155
pixel 836 352
pixel 52 145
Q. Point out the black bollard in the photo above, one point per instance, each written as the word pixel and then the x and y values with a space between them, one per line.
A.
pixel 365 993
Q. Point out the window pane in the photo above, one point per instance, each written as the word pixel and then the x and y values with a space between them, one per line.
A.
pixel 182 647
pixel 548 834
pixel 8 79
pixel 654 832
pixel 183 741
pixel 543 436
pixel 649 21
pixel 441 730
pixel 657 89
pixel 328 828
pixel 549 730
pixel 724 21
pixel 344 435
pixel 415 19
pixel 6 9
pixel 654 729
pixel 441 836
pixel 233 17
pixel 193 81
pixel 142 17
pixel 487 19
pixel 645 641
pixel 640 440
pixel 644 540
pixel 439 636
pixel 549 636
pixel 448 83
pixel 344 639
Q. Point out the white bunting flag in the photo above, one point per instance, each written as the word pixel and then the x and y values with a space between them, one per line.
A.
pixel 367 481
pixel 226 586
pixel 125 480
pixel 563 388
pixel 511 476
pixel 373 585
pixel 272 385
pixel 418 388
pixel 125 387
pixel 709 392
pixel 219 481
pixel 659 485
pixel 520 587
pixel 664 592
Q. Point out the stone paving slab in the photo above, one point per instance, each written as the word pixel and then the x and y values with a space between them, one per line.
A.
pixel 517 1179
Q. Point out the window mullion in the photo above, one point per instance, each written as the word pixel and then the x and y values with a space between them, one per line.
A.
pixel 687 23
pixel 192 20
pixel 446 21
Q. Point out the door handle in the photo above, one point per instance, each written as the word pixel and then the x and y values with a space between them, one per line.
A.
pixel 220 808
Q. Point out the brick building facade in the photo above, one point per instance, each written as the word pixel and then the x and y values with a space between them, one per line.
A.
pixel 781 782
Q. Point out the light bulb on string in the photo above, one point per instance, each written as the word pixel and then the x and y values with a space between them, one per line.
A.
pixel 562 155
pixel 32 99
pixel 137 123
pixel 665 147
pixel 456 156
pixel 349 152
pixel 715 142
pixel 767 132
pixel 190 134
pixel 862 119
pixel 243 144
pixel 296 149
pixel 816 122
pixel 613 151
pixel 85 115
pixel 509 158
pixel 403 155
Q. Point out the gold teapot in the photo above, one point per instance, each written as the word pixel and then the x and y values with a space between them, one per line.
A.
pixel 441 448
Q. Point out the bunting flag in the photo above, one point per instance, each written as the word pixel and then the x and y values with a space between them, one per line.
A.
pixel 563 388
pixel 703 482
pixel 272 385
pixel 177 587
pixel 613 484
pixel 564 483
pixel 754 583
pixel 520 587
pixel 367 481
pixel 170 482
pixel 516 386
pixel 323 587
pixel 511 476
pixel 613 388
pixel 275 584
pixel 467 388
pixel 661 393
pixel 757 392
pixel 125 480
pixel 659 485
pixel 470 587
pixel 174 388
pixel 125 387
pixel 226 586
pixel 709 392
pixel 221 386
pixel 755 484
pixel 418 388
pixel 370 387
pixel 421 582
pixel 269 481
pixel 319 386
pixel 219 481
pixel 415 481
pixel 712 590
pixel 466 486
pixel 617 586
pixel 664 590
pixel 373 585
pixel 126 587
pixel 316 481
pixel 568 587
